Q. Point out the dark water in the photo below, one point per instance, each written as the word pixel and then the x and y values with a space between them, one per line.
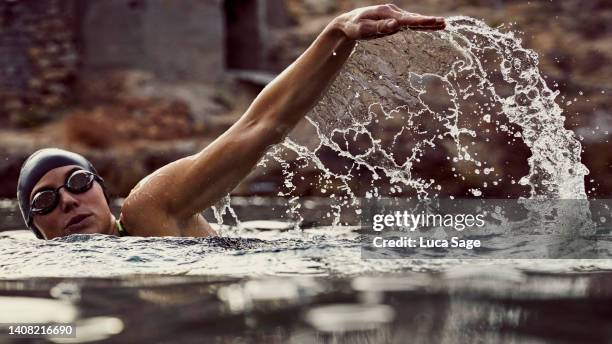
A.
pixel 454 307
pixel 265 282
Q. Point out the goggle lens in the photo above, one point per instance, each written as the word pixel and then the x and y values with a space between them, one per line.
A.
pixel 79 182
pixel 45 201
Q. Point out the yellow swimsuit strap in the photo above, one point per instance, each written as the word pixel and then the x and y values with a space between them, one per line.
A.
pixel 122 231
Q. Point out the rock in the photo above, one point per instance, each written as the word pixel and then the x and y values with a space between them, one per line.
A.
pixel 40 44
pixel 135 119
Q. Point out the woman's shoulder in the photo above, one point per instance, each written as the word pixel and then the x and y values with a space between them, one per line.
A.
pixel 146 218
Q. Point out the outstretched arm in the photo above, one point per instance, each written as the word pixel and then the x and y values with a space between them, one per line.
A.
pixel 190 185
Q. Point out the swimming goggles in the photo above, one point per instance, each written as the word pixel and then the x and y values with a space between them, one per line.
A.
pixel 78 182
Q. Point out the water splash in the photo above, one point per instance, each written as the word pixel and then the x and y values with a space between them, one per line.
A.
pixel 221 208
pixel 430 114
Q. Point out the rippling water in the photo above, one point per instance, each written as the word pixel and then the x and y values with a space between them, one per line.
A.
pixel 267 282
pixel 250 248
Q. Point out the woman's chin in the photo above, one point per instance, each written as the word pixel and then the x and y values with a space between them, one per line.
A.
pixel 86 227
pixel 90 230
pixel 84 230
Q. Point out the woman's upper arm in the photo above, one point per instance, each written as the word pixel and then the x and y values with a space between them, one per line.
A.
pixel 189 185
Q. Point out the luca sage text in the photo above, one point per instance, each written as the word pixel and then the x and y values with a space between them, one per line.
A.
pixel 454 242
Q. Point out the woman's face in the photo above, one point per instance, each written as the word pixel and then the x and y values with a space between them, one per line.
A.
pixel 85 213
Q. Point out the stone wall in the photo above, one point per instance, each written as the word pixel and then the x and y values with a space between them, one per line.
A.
pixel 175 40
pixel 45 45
pixel 38 58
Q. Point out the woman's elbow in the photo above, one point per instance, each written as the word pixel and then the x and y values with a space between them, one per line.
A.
pixel 267 131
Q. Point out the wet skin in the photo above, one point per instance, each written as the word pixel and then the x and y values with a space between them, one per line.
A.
pixel 93 214
pixel 91 203
pixel 170 201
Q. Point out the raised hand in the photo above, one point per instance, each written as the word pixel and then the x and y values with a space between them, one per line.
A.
pixel 382 20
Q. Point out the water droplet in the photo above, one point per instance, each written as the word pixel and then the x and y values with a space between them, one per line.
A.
pixel 476 192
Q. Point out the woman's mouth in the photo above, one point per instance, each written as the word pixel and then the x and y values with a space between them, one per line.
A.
pixel 77 223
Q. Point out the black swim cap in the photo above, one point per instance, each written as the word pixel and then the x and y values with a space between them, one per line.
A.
pixel 35 167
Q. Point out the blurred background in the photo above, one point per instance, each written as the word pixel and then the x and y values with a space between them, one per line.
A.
pixel 136 84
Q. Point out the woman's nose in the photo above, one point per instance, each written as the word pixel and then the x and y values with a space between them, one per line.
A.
pixel 68 201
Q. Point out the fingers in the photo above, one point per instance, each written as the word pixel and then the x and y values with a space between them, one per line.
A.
pixel 383 20
pixel 427 28
pixel 375 28
pixel 394 6
pixel 380 12
pixel 404 18
pixel 421 21
pixel 369 29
